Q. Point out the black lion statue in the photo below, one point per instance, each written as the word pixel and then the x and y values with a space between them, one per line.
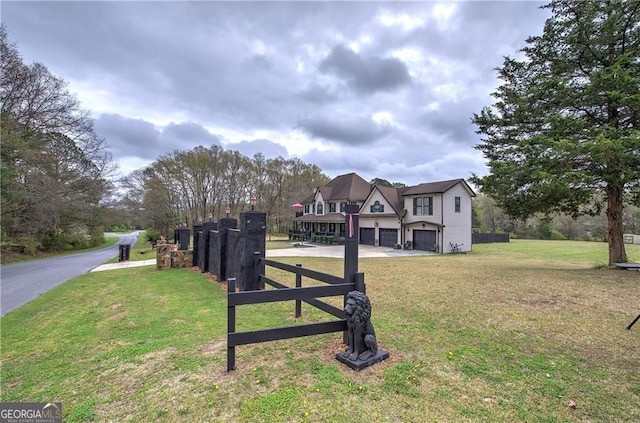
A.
pixel 361 338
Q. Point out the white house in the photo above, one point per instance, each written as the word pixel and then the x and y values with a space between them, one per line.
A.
pixel 432 216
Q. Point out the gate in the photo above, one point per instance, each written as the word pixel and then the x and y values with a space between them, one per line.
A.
pixel 352 281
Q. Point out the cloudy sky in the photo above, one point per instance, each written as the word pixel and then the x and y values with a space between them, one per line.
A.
pixel 383 89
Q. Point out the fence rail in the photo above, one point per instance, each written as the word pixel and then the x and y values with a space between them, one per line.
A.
pixel 253 280
pixel 489 237
pixel 282 293
pixel 319 276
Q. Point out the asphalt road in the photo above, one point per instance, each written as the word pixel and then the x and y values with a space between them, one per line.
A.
pixel 22 282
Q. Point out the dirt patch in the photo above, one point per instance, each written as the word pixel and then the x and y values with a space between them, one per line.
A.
pixel 116 316
pixel 214 347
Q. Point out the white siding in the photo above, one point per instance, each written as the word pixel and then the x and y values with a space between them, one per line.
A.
pixel 369 220
pixel 457 226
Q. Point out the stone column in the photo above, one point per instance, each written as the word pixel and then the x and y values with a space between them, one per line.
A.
pixel 163 256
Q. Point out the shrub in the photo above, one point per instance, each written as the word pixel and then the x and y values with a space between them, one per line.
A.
pixel 24 244
pixel 153 235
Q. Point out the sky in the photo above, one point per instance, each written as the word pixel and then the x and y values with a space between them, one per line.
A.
pixel 383 89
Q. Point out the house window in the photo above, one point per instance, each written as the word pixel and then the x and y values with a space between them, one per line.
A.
pixel 343 206
pixel 457 204
pixel 319 208
pixel 313 208
pixel 306 208
pixel 377 207
pixel 332 207
pixel 423 206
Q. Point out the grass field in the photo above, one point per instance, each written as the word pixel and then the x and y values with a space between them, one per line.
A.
pixel 528 331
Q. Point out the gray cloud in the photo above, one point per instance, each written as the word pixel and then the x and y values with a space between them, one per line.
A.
pixel 224 72
pixel 348 130
pixel 129 137
pixel 267 148
pixel 188 133
pixel 367 75
pixel 141 139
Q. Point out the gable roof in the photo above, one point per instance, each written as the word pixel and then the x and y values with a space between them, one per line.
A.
pixel 392 195
pixel 349 187
pixel 437 187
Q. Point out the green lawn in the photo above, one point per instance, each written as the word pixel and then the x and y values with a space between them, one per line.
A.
pixel 509 332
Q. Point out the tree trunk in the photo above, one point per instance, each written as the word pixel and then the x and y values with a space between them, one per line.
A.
pixel 615 237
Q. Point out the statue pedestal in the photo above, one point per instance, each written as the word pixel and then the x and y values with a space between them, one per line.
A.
pixel 361 364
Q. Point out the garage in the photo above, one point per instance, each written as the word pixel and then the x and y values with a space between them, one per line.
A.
pixel 367 236
pixel 388 237
pixel 424 240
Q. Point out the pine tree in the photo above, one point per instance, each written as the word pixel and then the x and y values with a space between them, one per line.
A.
pixel 564 132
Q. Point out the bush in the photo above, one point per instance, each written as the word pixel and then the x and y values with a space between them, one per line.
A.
pixel 96 237
pixel 153 235
pixel 122 227
pixel 53 240
pixel 24 244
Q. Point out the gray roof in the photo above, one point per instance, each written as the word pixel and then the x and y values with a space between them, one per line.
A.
pixel 351 187
pixel 348 187
pixel 436 187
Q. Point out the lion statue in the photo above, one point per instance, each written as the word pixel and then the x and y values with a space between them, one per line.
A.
pixel 361 338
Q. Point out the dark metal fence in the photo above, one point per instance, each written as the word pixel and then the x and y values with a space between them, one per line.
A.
pixel 489 237
pixel 336 286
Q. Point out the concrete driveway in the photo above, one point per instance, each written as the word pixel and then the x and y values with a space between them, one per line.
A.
pixel 337 251
pixel 309 250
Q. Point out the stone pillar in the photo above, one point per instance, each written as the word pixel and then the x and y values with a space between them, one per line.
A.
pixel 163 256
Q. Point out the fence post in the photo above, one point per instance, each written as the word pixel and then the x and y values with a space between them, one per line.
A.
pixel 298 285
pixel 352 229
pixel 359 281
pixel 197 229
pixel 231 326
pixel 203 260
pixel 183 238
pixel 253 228
pixel 224 225
pixel 352 234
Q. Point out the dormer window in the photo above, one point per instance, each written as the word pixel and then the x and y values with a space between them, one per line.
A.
pixel 377 207
pixel 319 208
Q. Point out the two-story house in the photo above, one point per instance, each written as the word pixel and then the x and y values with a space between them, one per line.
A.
pixel 430 216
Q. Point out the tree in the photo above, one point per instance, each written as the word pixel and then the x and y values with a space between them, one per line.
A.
pixel 54 166
pixel 564 133
pixel 380 182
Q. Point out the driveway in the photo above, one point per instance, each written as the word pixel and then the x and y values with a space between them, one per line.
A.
pixel 337 251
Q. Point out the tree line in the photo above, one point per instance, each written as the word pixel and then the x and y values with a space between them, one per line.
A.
pixel 55 168
pixel 489 217
pixel 187 187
